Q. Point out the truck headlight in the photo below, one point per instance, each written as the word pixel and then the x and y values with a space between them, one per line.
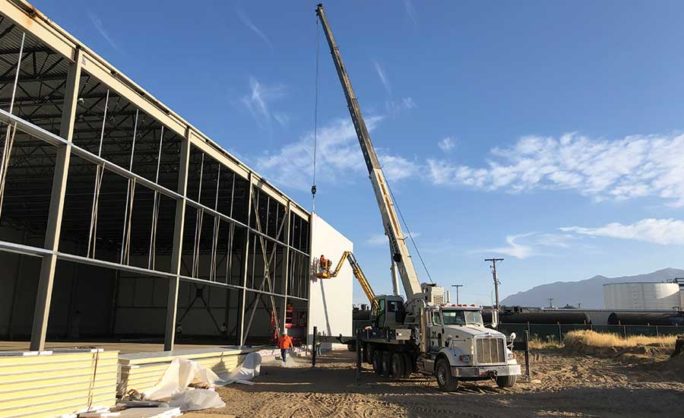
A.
pixel 511 356
pixel 465 358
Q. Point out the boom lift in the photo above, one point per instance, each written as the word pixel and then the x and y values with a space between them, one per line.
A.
pixel 422 334
pixel 358 273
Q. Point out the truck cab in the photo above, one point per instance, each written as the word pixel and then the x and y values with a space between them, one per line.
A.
pixel 449 341
pixel 458 346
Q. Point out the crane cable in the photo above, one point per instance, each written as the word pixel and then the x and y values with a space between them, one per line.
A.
pixel 408 231
pixel 315 131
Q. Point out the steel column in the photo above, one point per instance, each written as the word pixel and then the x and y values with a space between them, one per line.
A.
pixel 177 251
pixel 286 266
pixel 54 224
pixel 246 263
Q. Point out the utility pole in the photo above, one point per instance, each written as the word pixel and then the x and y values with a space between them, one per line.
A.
pixel 457 286
pixel 496 280
pixel 550 302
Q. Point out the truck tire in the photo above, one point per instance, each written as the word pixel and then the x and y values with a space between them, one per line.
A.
pixel 398 366
pixel 377 361
pixel 506 381
pixel 386 364
pixel 408 365
pixel 445 380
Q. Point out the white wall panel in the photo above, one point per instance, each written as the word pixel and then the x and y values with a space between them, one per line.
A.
pixel 330 300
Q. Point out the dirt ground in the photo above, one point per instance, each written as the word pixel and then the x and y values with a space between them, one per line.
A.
pixel 563 384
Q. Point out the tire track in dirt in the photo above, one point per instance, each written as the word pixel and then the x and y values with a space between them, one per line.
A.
pixel 567 385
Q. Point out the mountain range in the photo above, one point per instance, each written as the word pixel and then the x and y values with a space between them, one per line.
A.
pixel 588 293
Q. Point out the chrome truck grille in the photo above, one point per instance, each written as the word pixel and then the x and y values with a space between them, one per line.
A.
pixel 490 350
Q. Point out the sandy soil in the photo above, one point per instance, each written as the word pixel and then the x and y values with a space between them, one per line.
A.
pixel 562 384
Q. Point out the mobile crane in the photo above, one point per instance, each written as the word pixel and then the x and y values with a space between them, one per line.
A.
pixel 423 333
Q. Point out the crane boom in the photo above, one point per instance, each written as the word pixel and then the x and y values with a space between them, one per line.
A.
pixel 400 253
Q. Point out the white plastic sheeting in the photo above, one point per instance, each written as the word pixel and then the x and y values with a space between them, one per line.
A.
pixel 174 386
pixel 248 370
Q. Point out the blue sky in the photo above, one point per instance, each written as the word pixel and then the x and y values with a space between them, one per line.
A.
pixel 547 133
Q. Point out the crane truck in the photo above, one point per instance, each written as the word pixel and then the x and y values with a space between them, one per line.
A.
pixel 423 333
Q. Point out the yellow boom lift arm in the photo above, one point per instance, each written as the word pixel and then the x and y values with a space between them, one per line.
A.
pixel 356 270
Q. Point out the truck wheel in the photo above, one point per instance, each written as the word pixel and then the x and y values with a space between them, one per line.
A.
pixel 398 366
pixel 445 380
pixel 386 363
pixel 377 361
pixel 408 365
pixel 506 381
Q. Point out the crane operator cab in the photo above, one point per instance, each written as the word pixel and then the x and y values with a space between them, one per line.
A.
pixel 390 312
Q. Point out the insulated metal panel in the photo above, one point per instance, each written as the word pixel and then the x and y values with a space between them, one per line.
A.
pixel 51 383
pixel 141 371
pixel 330 300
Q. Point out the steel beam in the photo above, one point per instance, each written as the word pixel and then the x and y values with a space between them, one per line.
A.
pixel 286 264
pixel 54 224
pixel 177 249
pixel 60 41
pixel 245 262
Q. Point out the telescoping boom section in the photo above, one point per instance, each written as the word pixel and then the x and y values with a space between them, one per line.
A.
pixel 400 254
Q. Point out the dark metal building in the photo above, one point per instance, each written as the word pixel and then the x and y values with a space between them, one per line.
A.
pixel 120 219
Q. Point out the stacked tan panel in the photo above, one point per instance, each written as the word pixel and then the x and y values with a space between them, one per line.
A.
pixel 52 383
pixel 141 371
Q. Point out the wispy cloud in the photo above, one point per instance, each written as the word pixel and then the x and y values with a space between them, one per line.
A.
pixel 383 77
pixel 338 155
pixel 530 244
pixel 631 167
pixel 282 118
pixel 377 240
pixel 259 99
pixel 513 248
pixel 410 11
pixel 446 144
pixel 97 23
pixel 658 231
pixel 398 168
pixel 394 107
pixel 254 28
pixel 628 168
pixel 339 159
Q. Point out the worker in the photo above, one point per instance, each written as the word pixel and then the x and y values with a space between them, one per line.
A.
pixel 324 263
pixel 284 343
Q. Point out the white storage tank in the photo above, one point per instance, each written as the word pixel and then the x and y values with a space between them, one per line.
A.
pixel 642 295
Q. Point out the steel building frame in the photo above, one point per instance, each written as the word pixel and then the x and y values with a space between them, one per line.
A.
pixel 152 184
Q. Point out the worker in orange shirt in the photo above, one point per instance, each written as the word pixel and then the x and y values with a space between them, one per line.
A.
pixel 284 343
